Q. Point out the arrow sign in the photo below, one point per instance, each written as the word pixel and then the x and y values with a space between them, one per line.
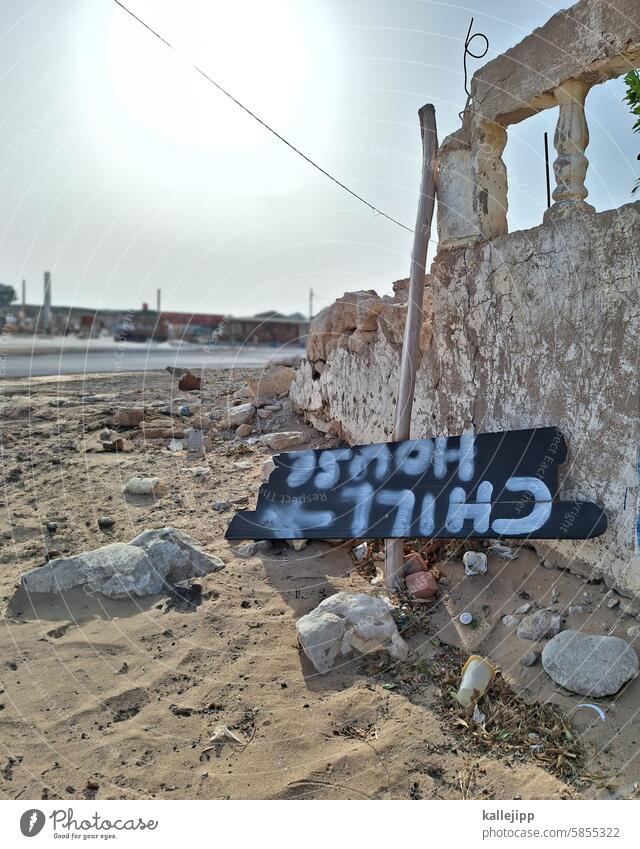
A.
pixel 488 485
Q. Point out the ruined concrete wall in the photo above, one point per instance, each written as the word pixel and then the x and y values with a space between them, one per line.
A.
pixel 538 327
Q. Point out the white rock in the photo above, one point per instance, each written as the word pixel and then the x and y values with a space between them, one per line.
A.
pixel 145 486
pixel 242 414
pixel 589 665
pixel 283 440
pixel 321 636
pixel 297 544
pixel 344 623
pixel 141 567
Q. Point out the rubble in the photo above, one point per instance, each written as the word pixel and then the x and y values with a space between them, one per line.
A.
pixel 538 625
pixel 283 441
pixel 195 442
pixel 162 429
pixel 242 414
pixel 141 567
pixel 421 585
pixel 189 382
pixel 344 623
pixel 145 486
pixel 275 380
pixel 589 665
pixel 128 416
pixel 243 430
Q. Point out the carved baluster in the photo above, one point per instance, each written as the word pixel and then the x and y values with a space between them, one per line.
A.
pixel 570 141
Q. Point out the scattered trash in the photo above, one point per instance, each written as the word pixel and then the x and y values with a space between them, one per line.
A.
pixel 477 676
pixel 477 715
pixel 221 736
pixel 475 563
pixel 360 551
pixel 504 551
pixel 465 618
pixel 184 411
pixel 596 708
pixel 176 445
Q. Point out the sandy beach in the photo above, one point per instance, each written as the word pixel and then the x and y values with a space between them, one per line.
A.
pixel 105 698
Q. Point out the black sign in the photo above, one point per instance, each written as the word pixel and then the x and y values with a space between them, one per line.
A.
pixel 487 486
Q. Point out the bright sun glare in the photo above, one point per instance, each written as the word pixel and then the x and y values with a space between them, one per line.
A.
pixel 251 47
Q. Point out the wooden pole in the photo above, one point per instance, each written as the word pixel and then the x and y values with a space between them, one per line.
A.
pixel 394 548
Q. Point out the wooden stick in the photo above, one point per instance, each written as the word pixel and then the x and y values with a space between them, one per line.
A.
pixel 394 548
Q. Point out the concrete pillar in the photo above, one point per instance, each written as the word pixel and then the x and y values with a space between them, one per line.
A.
pixel 24 294
pixel 570 141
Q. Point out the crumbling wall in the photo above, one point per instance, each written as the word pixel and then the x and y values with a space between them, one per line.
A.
pixel 537 327
pixel 524 329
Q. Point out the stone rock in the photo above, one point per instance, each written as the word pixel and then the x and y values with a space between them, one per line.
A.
pixel 538 625
pixel 128 416
pixel 272 381
pixel 263 413
pixel 105 522
pixel 112 441
pixel 243 465
pixel 283 440
pixel 530 658
pixel 195 442
pixel 243 430
pixel 162 429
pixel 524 608
pixel 575 609
pixel 175 371
pixel 142 567
pixel 242 414
pixel 347 622
pixel 247 549
pixel 421 584
pixel 509 620
pixel 612 602
pixel 297 544
pixel 589 665
pixel 145 487
pixel 265 470
pixel 189 382
pixel 633 632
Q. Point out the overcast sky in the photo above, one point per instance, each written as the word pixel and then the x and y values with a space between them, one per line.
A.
pixel 123 171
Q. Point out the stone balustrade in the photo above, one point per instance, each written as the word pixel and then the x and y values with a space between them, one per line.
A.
pixel 555 66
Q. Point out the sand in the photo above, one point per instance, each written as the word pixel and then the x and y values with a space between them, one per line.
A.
pixel 118 699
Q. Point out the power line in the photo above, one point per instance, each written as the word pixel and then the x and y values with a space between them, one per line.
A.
pixel 266 126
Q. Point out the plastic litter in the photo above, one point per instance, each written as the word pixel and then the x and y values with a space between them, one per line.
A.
pixel 360 551
pixel 475 562
pixel 465 618
pixel 477 676
pixel 596 708
pixel 478 716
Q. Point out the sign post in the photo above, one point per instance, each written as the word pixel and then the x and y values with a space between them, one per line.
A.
pixel 394 548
